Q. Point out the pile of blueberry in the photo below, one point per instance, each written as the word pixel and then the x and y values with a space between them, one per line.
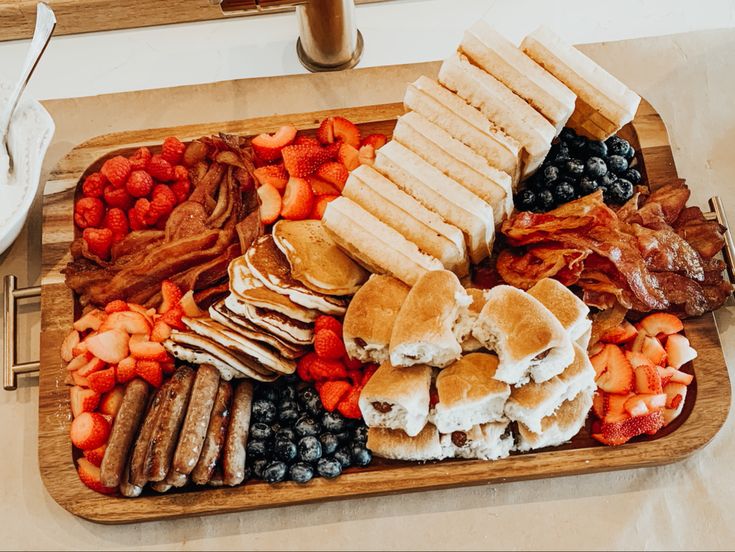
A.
pixel 577 166
pixel 293 437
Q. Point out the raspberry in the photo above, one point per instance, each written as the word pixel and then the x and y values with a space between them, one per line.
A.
pixel 324 322
pixel 117 222
pixel 160 169
pixel 181 172
pixel 352 363
pixel 173 150
pixel 118 305
pixel 142 209
pixel 140 159
pixel 136 221
pixel 116 170
pixel 99 241
pixel 303 368
pixel 181 189
pixel 328 344
pixel 94 185
pixel 89 212
pixel 349 407
pixel 117 197
pixel 164 201
pixel 139 184
pixel 332 392
pixel 326 369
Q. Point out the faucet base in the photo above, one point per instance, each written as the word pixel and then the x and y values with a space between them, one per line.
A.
pixel 317 67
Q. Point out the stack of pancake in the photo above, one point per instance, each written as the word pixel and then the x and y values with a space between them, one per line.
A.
pixel 278 288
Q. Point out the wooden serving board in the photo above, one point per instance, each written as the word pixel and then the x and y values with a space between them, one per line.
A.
pixel 706 408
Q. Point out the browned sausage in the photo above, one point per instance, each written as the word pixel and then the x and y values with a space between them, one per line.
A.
pixel 126 487
pixel 233 457
pixel 176 479
pixel 215 438
pixel 139 458
pixel 124 430
pixel 196 422
pixel 170 418
pixel 161 486
pixel 216 479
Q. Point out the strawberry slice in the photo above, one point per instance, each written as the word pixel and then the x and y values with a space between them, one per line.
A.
pixel 140 309
pixel 143 349
pixel 348 156
pixel 151 371
pixel 638 359
pixel 82 400
pixel 637 344
pixel 661 323
pixel 89 474
pixel 268 146
pixel 679 351
pixel 303 160
pixel 102 381
pixel 618 377
pixel 333 172
pixel 81 381
pixel 366 155
pixel 161 332
pixel 68 345
pixel 94 365
pixel 598 404
pixel 110 346
pixel 80 349
pixel 333 129
pixel 126 370
pixel 653 349
pixel 321 187
pixel 95 456
pixel 298 200
pixel 90 321
pixel 275 175
pixel 173 317
pixel 647 380
pixel 270 203
pixel 675 396
pixel 349 406
pixel 191 309
pixel 332 392
pixel 620 334
pixel 599 361
pixel 614 407
pixel 320 205
pixel 171 295
pixel 111 401
pixel 377 141
pixel 128 321
pixel 618 433
pixel 78 361
pixel 89 430
pixel 654 402
pixel 636 406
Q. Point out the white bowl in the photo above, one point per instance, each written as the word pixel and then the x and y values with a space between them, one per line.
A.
pixel 29 137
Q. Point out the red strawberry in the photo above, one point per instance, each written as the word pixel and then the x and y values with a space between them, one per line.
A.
pixel 332 392
pixel 679 350
pixel 173 317
pixel 352 364
pixel 320 206
pixel 328 344
pixel 94 185
pixel 303 367
pixel 139 184
pixel 661 323
pixel 307 140
pixel 325 322
pixel 301 161
pixel 333 172
pixel 161 331
pixel 91 320
pixel 81 359
pixel 89 212
pixel 111 345
pixel 126 370
pixel 79 380
pixel 102 381
pixel 321 187
pixel 99 241
pixel 95 456
pixel 275 175
pixel 67 346
pixel 118 305
pixel 172 150
pixel 349 406
pixel 375 140
pixel 598 404
pixel 93 365
pixel 355 376
pixel 298 199
pixel 160 169
pixel 111 401
pixel 366 155
pixel 367 373
pixel 82 400
pixel 648 380
pixel 117 222
pixel 150 371
pixel 334 129
pixel 182 190
pixel 619 433
pixel 171 295
pixel 614 407
pixel 116 170
pixel 189 305
pixel 143 349
pixel 348 156
pixel 270 203
pixel 268 146
pixel 620 334
pixel 653 349
pixel 618 376
pixel 89 430
pixel 118 197
pixel 140 159
pixel 326 369
pixel 89 474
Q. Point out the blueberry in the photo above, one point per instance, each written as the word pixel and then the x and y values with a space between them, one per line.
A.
pixel 288 393
pixel 286 434
pixel 306 394
pixel 260 431
pixel 257 449
pixel 310 449
pixel 329 443
pixel 332 421
pixel 617 164
pixel 595 167
pixel 597 149
pixel 344 457
pixel 574 168
pixel 526 199
pixel 288 415
pixel 361 434
pixel 621 191
pixel 267 392
pixel 551 173
pixel 567 134
pixel 285 450
pixel 314 406
pixel 577 145
pixel 544 200
pixel 288 404
pixel 275 472
pixel 360 455
pixel 587 185
pixel 258 467
pixel 329 468
pixel 617 145
pixel 301 472
pixel 633 176
pixel 630 154
pixel 264 411
pixel 306 425
pixel 606 180
pixel 563 192
pixel 343 436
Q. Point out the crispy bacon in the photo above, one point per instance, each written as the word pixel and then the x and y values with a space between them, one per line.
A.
pixel 524 270
pixel 703 235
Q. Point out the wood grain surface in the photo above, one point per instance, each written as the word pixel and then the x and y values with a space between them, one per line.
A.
pixel 706 407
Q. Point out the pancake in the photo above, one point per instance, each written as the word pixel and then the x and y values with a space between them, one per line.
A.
pixel 315 259
pixel 280 325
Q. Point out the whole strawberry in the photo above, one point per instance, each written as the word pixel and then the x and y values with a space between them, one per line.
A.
pixel 116 170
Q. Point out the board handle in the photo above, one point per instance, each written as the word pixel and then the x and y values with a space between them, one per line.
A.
pixel 11 368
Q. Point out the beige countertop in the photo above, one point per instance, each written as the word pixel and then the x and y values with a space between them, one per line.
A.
pixel 688 78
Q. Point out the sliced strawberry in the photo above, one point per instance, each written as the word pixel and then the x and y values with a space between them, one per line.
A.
pixel 78 361
pixel 191 309
pixel 332 393
pixel 321 187
pixel 68 345
pixel 661 323
pixel 325 133
pixel 118 305
pixel 126 370
pixel 654 402
pixel 174 318
pixel 150 371
pixel 619 433
pixel 128 321
pixel 349 406
pixel 102 381
pixel 345 130
pixel 349 156
pixel 620 334
pixel 681 377
pixel 637 344
pixel 81 381
pixel 275 175
pixel 82 400
pixel 302 161
pixel 95 456
pixel 111 401
pixel 142 349
pixel 375 140
pixel 598 404
pixel 366 155
pixel 140 309
pixel 666 374
pixel 636 406
pixel 89 474
pixel 171 295
pixel 80 349
pixel 304 139
pixel 647 380
pixel 638 359
pixel 618 377
pixel 599 361
pixel 675 396
pixel 298 199
pixel 89 430
pixel 94 365
pixel 270 203
pixel 333 172
pixel 320 205
pixel 653 349
pixel 161 331
pixel 90 321
pixel 614 407
pixel 679 351
pixel 268 146
pixel 110 346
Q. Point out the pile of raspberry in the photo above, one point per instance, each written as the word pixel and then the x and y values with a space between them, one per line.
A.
pixel 337 378
pixel 131 193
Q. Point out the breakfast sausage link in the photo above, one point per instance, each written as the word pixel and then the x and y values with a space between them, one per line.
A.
pixel 196 422
pixel 124 429
pixel 171 417
pixel 215 438
pixel 176 479
pixel 139 458
pixel 127 489
pixel 161 486
pixel 233 458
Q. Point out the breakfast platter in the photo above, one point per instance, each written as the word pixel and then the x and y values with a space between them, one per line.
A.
pixel 399 463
